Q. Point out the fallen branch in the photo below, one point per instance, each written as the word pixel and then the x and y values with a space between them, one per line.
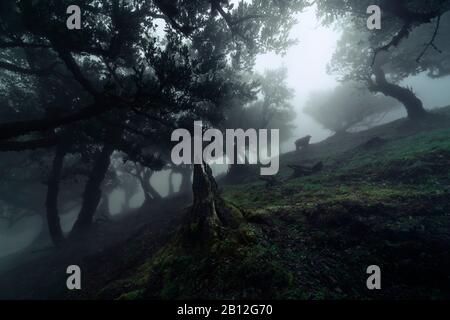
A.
pixel 301 171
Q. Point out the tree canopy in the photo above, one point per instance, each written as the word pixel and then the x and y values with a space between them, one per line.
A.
pixel 134 72
pixel 408 43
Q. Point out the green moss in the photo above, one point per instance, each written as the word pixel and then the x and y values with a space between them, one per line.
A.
pixel 307 237
pixel 414 166
pixel 133 295
pixel 237 266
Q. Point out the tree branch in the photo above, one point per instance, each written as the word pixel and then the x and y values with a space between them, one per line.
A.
pixel 229 21
pixel 19 44
pixel 395 41
pixel 73 67
pixel 431 42
pixel 19 128
pixel 14 146
pixel 33 72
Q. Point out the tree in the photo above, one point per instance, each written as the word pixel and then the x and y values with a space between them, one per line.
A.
pixel 119 84
pixel 144 175
pixel 383 58
pixel 210 215
pixel 347 107
pixel 269 108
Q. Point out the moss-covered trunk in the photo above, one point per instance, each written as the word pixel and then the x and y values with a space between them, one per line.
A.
pixel 405 96
pixel 209 215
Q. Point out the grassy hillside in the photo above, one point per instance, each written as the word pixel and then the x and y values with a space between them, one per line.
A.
pixel 383 198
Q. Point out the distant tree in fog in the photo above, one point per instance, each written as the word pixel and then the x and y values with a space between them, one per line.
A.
pixel 413 39
pixel 273 108
pixel 270 109
pixel 348 107
pixel 120 84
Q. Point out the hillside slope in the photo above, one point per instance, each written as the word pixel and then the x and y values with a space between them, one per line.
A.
pixel 382 199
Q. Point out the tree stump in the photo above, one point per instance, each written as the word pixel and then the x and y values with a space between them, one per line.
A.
pixel 209 215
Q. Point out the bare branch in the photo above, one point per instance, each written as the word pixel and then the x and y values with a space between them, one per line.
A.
pixel 73 67
pixel 431 42
pixel 395 41
pixel 33 72
pixel 19 128
pixel 9 146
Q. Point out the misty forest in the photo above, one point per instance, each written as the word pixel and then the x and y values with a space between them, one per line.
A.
pixel 86 171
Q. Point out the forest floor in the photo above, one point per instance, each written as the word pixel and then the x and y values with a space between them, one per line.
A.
pixel 383 198
pixel 39 272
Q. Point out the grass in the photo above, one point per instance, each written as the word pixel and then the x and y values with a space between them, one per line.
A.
pixel 313 237
pixel 236 267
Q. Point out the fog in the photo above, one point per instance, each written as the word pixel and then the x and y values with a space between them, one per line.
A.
pixel 306 63
pixel 20 236
pixel 159 180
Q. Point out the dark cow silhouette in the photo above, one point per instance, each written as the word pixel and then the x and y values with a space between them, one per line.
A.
pixel 302 142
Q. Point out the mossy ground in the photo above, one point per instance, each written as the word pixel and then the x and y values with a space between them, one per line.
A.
pixel 314 237
pixel 389 206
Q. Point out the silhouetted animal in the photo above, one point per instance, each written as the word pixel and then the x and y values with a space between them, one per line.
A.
pixel 302 143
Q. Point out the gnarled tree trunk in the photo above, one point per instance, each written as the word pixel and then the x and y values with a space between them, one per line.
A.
pixel 204 221
pixel 54 225
pixel 149 192
pixel 410 101
pixel 103 213
pixel 92 192
pixel 209 214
